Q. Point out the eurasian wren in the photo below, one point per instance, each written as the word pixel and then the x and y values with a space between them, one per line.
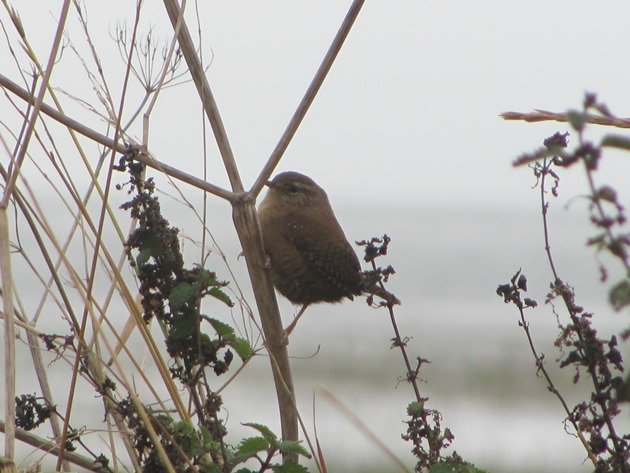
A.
pixel 311 259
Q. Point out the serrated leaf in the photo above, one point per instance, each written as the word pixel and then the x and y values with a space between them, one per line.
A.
pixel 207 277
pixel 184 427
pixel 220 295
pixel 291 446
pixel 212 468
pixel 445 467
pixel 149 246
pixel 251 446
pixel 179 295
pixel 415 408
pixel 290 467
pixel 222 329
pixel 188 438
pixel 209 444
pixel 619 296
pixel 242 348
pixel 143 256
pixel 265 431
pixel 183 326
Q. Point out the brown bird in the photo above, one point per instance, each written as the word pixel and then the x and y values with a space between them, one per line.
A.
pixel 311 259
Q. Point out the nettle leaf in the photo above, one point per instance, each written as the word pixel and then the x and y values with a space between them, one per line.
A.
pixel 290 467
pixel 576 119
pixel 143 256
pixel 169 259
pixel 207 278
pixel 290 446
pixel 220 295
pixel 188 438
pixel 251 446
pixel 211 468
pixel 183 326
pixel 180 294
pixel 265 431
pixel 415 408
pixel 209 444
pixel 149 246
pixel 446 467
pixel 242 348
pixel 222 329
pixel 616 141
pixel 620 295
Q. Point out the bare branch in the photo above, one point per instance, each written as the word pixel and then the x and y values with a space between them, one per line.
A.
pixel 308 98
pixel 144 157
pixel 544 115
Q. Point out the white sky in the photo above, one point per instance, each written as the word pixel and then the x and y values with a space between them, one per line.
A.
pixel 411 104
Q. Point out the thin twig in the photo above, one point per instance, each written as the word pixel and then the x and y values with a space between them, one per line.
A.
pixel 308 98
pixel 19 158
pixel 144 157
pixel 52 447
pixel 175 14
pixel 359 424
pixel 544 115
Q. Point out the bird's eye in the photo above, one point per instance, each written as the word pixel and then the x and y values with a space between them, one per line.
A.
pixel 293 189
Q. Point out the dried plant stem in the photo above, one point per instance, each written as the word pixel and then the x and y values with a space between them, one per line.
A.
pixel 144 157
pixel 544 115
pixel 248 229
pixel 308 98
pixel 360 425
pixel 19 158
pixel 599 397
pixel 53 447
pixel 540 366
pixel 198 75
pixel 9 335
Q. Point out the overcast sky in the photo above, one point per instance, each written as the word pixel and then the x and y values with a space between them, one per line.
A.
pixel 411 105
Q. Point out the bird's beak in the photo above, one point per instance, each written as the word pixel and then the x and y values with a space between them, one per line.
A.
pixel 269 184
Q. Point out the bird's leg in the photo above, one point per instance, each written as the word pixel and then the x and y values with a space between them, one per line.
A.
pixel 291 326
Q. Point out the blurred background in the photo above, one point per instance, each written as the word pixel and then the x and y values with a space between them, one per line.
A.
pixel 406 138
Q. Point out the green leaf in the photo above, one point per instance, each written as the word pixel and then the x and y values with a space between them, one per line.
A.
pixel 222 329
pixel 415 408
pixel 219 294
pixel 245 470
pixel 213 468
pixel 449 467
pixel 616 141
pixel 207 278
pixel 290 446
pixel 620 295
pixel 266 432
pixel 188 439
pixel 576 119
pixel 251 446
pixel 184 427
pixel 290 467
pixel 143 256
pixel 183 326
pixel 149 246
pixel 242 348
pixel 209 444
pixel 179 295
